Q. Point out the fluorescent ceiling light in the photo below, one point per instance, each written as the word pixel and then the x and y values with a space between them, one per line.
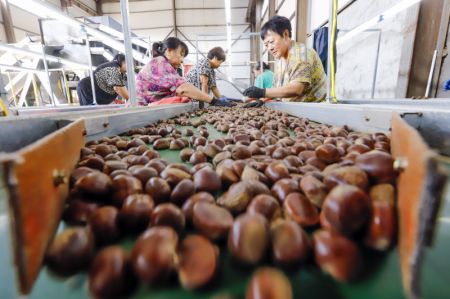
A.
pixel 43 10
pixel 137 41
pixel 31 53
pixel 377 19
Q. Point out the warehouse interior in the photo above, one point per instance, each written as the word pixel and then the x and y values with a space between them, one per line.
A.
pixel 274 174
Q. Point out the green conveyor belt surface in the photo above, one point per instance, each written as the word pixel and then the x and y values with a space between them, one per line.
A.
pixel 382 277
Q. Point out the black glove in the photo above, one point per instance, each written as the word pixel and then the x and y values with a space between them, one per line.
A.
pixel 223 102
pixel 254 104
pixel 255 92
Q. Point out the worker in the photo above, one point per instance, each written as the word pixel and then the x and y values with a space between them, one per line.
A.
pixel 299 74
pixel 109 82
pixel 159 78
pixel 264 76
pixel 203 76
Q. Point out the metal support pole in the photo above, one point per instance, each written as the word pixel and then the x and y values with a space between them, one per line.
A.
pixel 330 45
pixel 3 97
pixel 197 49
pixel 128 52
pixel 52 95
pixel 375 71
pixel 91 72
pixel 430 75
pixel 66 87
pixel 12 90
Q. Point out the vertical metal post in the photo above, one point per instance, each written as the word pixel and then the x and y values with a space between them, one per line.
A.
pixel 376 66
pixel 52 95
pixel 128 52
pixel 329 59
pixel 91 72
pixel 3 97
pixel 196 52
pixel 12 89
pixel 66 88
pixel 430 75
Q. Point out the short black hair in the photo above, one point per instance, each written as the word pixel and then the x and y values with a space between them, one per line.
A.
pixel 258 66
pixel 217 52
pixel 159 48
pixel 119 59
pixel 277 24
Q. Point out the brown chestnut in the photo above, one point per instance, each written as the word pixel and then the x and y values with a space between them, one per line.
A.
pixel 174 175
pixel 299 209
pixel 283 187
pixel 290 244
pixel 104 224
pixel 188 205
pixel 197 261
pixel 265 205
pixel 314 189
pixel 240 152
pixel 161 144
pixel 210 220
pixel 337 255
pixel 79 211
pixel 154 253
pixel 207 180
pixel 382 227
pixel 144 174
pixel 135 213
pixel 347 209
pixel 238 196
pixel 111 274
pixel 248 238
pixel 328 153
pixel 103 150
pixel 176 144
pixel 269 283
pixel 70 251
pixel 186 154
pixel 167 214
pixel 197 157
pixel 350 175
pixel 378 165
pixel 276 170
pixel 94 162
pixel 124 185
pixel 158 189
pixel 95 183
pixel 182 191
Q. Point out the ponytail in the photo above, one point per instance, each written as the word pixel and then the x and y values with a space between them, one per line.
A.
pixel 119 59
pixel 159 48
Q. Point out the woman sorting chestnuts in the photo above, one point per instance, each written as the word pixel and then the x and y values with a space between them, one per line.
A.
pixel 159 79
pixel 299 73
pixel 109 81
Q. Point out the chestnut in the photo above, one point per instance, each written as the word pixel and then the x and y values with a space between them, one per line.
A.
pixel 265 205
pixel 104 224
pixel 111 274
pixel 186 154
pixel 103 150
pixel 299 209
pixel 197 261
pixel 95 183
pixel 135 213
pixel 197 157
pixel 211 150
pixel 378 165
pixel 167 214
pixel 240 152
pixel 238 196
pixel 347 209
pixel 316 162
pixel 124 185
pixel 269 283
pixel 382 192
pixel 207 180
pixel 151 154
pixel 70 251
pixel 350 175
pixel 358 148
pixel 248 238
pixel 79 211
pixel 180 166
pixel 176 144
pixel 382 227
pixel 226 172
pixel 337 255
pixel 328 153
pixel 220 157
pixel 200 166
pixel 154 253
pixel 249 173
pixel 174 175
pixel 156 164
pixel 276 170
pixel 290 244
pixel 210 220
pixel 112 157
pixel 280 153
pixel 188 205
pixel 143 174
pixel 158 189
pixel 314 189
pixel 283 187
pixel 138 160
pixel 120 172
pixel 161 144
pixel 182 191
pixel 189 132
pixel 79 173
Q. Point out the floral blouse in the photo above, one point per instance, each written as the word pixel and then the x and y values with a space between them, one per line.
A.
pixel 158 79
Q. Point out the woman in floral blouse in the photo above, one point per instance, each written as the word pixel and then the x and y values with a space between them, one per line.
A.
pixel 159 78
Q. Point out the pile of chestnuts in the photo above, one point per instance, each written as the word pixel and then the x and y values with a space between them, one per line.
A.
pixel 270 187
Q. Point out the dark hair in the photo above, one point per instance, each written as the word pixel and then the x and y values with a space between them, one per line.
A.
pixel 119 59
pixel 258 66
pixel 172 43
pixel 277 24
pixel 217 52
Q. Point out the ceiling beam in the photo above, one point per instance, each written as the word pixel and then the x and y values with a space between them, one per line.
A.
pixel 7 22
pixel 174 14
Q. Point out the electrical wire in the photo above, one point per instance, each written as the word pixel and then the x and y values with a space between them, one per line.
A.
pixel 333 54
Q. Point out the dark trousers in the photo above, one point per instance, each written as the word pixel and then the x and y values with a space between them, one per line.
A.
pixel 84 92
